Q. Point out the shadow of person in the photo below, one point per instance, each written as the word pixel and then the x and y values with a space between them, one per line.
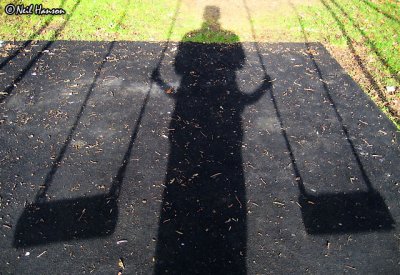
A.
pixel 202 227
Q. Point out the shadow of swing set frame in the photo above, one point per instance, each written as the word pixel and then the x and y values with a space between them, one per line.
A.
pixel 89 217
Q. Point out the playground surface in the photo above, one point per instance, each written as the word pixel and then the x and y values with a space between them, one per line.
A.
pixel 212 166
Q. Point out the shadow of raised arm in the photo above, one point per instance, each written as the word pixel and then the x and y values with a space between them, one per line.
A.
pixel 156 77
pixel 259 92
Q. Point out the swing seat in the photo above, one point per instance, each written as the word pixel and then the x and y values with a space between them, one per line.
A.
pixel 345 213
pixel 64 220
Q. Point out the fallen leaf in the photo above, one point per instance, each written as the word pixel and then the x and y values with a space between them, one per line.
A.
pixel 169 90
pixel 121 263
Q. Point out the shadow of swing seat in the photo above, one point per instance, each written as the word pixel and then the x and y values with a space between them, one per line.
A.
pixel 43 222
pixel 334 213
pixel 352 212
pixel 65 220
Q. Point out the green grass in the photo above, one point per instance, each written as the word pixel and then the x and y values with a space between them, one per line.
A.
pixel 367 30
pixel 91 20
pixel 338 22
pixel 370 30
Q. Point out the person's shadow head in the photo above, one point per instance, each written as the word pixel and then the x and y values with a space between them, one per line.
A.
pixel 209 56
pixel 211 17
pixel 211 30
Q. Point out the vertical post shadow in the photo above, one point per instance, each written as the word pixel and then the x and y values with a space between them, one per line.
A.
pixel 357 57
pixel 387 15
pixel 203 224
pixel 370 43
pixel 10 88
pixel 30 39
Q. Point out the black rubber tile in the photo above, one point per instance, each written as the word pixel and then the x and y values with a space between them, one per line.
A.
pixel 204 166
